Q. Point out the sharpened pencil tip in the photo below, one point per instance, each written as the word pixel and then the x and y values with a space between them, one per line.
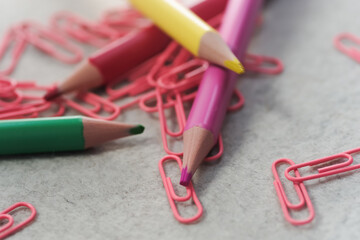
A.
pixel 137 130
pixel 234 65
pixel 185 177
pixel 52 94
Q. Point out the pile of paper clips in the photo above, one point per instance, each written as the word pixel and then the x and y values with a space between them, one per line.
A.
pixel 162 83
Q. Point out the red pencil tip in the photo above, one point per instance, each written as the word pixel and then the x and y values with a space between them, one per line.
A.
pixel 52 94
pixel 185 177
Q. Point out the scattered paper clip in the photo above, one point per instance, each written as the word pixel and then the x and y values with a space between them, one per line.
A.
pixel 9 228
pixel 124 20
pixel 325 171
pixel 82 30
pixel 352 52
pixel 240 101
pixel 263 64
pixel 286 205
pixel 49 42
pixel 91 98
pixel 172 196
pixel 18 44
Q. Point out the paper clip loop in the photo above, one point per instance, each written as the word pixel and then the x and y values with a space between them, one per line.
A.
pixel 82 30
pixel 8 229
pixel 47 40
pixel 239 104
pixel 304 199
pixel 325 171
pixel 94 99
pixel 172 196
pixel 19 46
pixel 263 64
pixel 173 56
pixel 352 52
pixel 181 76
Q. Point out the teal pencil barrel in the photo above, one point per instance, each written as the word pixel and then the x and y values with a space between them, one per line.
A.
pixel 41 135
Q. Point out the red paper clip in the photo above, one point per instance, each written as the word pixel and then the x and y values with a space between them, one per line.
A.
pixel 172 196
pixel 82 30
pixel 353 52
pixel 304 199
pixel 11 38
pixel 325 171
pixel 263 64
pixel 9 229
pixel 48 41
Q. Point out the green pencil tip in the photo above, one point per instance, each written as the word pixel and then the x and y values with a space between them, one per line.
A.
pixel 137 130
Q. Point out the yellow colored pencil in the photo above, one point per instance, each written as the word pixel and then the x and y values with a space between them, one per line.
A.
pixel 190 31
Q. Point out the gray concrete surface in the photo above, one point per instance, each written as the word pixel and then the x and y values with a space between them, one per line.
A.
pixel 115 191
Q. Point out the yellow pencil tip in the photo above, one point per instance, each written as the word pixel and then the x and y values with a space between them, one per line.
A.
pixel 234 65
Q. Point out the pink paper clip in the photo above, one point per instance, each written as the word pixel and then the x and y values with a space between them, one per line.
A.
pixel 25 105
pixel 239 104
pixel 12 99
pixel 108 106
pixel 325 171
pixel 25 111
pixel 182 75
pixel 10 222
pixel 263 64
pixel 169 58
pixel 164 129
pixel 7 86
pixel 151 98
pixel 353 52
pixel 219 153
pixel 48 41
pixel 9 229
pixel 304 199
pixel 82 30
pixel 11 38
pixel 172 196
pixel 124 20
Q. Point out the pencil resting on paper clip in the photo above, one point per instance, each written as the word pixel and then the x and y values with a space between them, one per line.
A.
pixel 59 134
pixel 124 54
pixel 190 31
pixel 215 90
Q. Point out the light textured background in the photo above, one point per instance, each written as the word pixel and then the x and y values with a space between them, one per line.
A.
pixel 115 191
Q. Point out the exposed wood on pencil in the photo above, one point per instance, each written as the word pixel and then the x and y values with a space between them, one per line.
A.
pixel 197 144
pixel 86 76
pixel 98 131
pixel 214 49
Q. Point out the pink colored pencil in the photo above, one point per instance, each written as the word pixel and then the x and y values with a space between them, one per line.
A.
pixel 216 88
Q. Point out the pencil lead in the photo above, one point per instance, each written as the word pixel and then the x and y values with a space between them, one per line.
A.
pixel 137 130
pixel 52 94
pixel 235 66
pixel 185 177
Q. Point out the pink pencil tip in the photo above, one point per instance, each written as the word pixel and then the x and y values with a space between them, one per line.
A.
pixel 52 94
pixel 185 177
